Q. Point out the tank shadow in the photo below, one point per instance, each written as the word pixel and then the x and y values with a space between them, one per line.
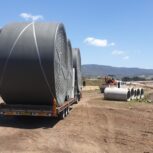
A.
pixel 24 122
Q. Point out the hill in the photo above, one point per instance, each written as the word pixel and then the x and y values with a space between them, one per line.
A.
pixel 93 70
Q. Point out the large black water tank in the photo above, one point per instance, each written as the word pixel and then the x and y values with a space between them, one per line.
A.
pixel 33 63
pixel 77 67
pixel 70 69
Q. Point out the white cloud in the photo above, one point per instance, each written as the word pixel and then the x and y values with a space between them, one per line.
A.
pixel 121 54
pixel 118 52
pixel 96 42
pixel 112 44
pixel 28 16
pixel 126 57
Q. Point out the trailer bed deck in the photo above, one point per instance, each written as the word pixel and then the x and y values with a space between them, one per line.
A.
pixel 34 110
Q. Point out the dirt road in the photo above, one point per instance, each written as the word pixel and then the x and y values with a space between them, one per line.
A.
pixel 93 126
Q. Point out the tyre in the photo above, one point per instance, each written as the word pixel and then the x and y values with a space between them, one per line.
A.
pixel 66 111
pixel 62 115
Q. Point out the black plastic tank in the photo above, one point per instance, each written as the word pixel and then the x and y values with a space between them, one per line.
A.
pixel 33 63
pixel 77 67
pixel 70 69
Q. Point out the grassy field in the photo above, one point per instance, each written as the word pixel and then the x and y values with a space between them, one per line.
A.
pixel 94 82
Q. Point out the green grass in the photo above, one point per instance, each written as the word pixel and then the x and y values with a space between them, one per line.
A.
pixel 144 100
pixel 95 82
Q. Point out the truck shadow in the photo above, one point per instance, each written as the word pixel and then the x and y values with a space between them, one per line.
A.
pixel 24 122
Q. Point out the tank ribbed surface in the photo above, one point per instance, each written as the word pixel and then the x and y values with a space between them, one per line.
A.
pixel 77 66
pixel 33 63
pixel 70 69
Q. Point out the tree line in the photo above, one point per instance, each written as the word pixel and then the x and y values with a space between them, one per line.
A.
pixel 135 78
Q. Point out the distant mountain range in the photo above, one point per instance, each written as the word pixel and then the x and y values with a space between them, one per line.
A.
pixel 92 70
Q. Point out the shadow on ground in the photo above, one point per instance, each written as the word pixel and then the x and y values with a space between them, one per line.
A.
pixel 28 122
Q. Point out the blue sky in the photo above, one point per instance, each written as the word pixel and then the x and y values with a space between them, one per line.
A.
pixel 108 32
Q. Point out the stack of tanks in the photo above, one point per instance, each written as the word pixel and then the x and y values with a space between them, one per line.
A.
pixel 123 93
pixel 38 64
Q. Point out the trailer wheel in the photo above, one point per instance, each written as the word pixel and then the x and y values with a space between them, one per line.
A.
pixel 62 114
pixel 68 110
pixel 79 97
pixel 76 100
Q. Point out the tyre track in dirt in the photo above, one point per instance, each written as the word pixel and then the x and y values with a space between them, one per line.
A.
pixel 108 125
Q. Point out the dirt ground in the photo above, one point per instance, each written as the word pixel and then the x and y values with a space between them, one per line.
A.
pixel 93 126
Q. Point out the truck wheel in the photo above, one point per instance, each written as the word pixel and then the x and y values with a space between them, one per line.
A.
pixel 62 115
pixel 79 97
pixel 76 100
pixel 66 111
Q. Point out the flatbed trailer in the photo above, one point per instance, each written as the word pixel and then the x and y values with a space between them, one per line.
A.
pixel 38 110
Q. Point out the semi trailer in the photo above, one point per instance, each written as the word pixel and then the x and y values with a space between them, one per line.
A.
pixel 40 73
pixel 40 110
